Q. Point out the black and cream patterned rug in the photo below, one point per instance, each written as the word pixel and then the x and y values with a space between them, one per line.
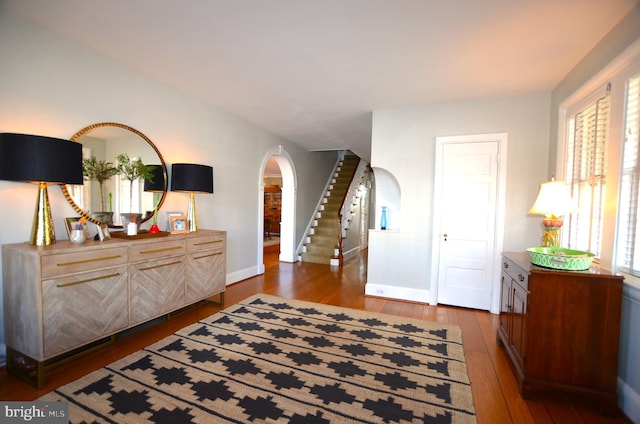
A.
pixel 269 359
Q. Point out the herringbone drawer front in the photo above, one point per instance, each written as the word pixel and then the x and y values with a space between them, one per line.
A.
pixel 84 307
pixel 83 260
pixel 205 274
pixel 157 287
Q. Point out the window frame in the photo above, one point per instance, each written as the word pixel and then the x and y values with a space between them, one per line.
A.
pixel 601 92
pixel 616 73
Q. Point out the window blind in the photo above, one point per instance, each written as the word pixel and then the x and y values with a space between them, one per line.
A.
pixel 588 130
pixel 628 244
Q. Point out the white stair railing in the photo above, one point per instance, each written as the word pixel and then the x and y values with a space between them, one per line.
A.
pixel 353 194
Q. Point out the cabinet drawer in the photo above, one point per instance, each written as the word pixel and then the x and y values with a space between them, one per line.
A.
pixel 86 260
pixel 515 271
pixel 214 241
pixel 161 249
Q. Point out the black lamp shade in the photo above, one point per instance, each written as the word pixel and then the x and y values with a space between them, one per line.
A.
pixel 40 159
pixel 158 184
pixel 191 177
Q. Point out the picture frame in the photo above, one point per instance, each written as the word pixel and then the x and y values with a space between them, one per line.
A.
pixel 169 215
pixel 103 232
pixel 76 223
pixel 178 224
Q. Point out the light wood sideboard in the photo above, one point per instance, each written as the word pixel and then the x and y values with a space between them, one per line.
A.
pixel 63 297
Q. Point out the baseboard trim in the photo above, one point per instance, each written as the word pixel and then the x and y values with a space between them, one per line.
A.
pixel 243 274
pixel 629 401
pixel 395 292
pixel 351 253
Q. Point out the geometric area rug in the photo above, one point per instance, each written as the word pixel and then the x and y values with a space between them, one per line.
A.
pixel 276 360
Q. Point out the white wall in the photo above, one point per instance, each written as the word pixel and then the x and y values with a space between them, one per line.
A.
pixel 50 86
pixel 403 144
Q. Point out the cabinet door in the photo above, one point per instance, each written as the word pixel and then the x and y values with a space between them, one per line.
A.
pixel 157 287
pixel 505 300
pixel 517 336
pixel 83 308
pixel 205 274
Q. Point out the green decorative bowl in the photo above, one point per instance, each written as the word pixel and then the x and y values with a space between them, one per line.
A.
pixel 560 258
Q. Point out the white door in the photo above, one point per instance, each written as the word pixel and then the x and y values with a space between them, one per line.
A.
pixel 467 222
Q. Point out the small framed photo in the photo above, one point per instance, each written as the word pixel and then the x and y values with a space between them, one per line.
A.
pixel 76 223
pixel 178 224
pixel 103 232
pixel 169 215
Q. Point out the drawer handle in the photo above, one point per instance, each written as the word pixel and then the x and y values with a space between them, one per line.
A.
pixel 520 277
pixel 207 242
pixel 506 265
pixel 164 249
pixel 209 255
pixel 88 280
pixel 160 266
pixel 86 261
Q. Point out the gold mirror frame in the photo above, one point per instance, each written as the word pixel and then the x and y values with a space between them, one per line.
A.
pixel 84 131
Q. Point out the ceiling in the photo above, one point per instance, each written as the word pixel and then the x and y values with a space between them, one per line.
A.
pixel 312 71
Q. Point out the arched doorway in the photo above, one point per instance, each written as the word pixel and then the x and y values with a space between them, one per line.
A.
pixel 288 206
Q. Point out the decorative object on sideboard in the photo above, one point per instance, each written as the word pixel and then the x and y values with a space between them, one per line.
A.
pixel 157 185
pixel 178 224
pixel 98 140
pixel 560 258
pixel 191 178
pixel 103 232
pixel 74 224
pixel 553 202
pixel 41 160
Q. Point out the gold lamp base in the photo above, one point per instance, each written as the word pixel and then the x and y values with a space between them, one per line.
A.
pixel 42 231
pixel 191 213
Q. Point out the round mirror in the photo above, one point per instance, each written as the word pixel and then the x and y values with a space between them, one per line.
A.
pixel 106 194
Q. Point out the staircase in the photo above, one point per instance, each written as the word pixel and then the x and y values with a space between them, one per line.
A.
pixel 323 243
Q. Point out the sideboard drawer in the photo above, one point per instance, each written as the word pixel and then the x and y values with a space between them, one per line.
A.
pixel 214 241
pixel 156 250
pixel 84 260
pixel 515 271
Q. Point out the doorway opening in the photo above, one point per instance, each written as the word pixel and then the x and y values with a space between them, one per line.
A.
pixel 276 220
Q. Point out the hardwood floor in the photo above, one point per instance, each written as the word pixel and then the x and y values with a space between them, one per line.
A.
pixel 493 384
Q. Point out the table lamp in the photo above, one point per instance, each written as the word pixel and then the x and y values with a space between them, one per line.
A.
pixel 554 200
pixel 192 178
pixel 43 161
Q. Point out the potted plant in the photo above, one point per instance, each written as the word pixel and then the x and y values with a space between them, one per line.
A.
pixel 132 169
pixel 100 171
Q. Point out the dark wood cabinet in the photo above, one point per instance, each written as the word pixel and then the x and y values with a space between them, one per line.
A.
pixel 560 329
